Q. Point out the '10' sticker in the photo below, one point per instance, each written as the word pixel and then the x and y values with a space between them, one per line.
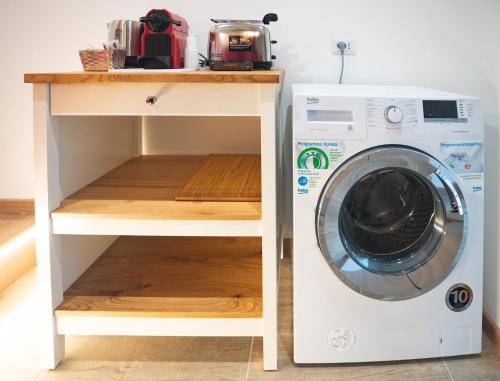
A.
pixel 459 297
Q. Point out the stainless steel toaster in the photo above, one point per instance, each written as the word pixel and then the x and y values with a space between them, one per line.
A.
pixel 241 44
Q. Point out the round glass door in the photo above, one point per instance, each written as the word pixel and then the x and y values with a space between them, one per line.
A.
pixel 390 222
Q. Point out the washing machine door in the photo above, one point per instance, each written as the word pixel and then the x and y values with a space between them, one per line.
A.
pixel 390 222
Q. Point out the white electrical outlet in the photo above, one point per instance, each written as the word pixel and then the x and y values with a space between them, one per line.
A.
pixel 349 50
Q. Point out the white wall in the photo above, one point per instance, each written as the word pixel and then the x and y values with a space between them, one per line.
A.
pixel 448 44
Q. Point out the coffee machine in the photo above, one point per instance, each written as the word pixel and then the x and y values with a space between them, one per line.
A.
pixel 163 40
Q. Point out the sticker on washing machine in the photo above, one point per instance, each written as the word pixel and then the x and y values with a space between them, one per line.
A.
pixel 313 158
pixel 318 155
pixel 459 297
pixel 466 160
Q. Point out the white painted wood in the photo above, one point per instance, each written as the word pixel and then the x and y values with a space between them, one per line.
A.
pixel 79 252
pixel 270 253
pixel 132 326
pixel 93 145
pixel 88 147
pixel 47 197
pixel 180 135
pixel 69 153
pixel 138 227
pixel 173 99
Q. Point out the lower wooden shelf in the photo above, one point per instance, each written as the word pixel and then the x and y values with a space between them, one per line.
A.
pixel 171 277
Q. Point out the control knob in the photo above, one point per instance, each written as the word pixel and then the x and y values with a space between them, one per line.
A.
pixel 393 114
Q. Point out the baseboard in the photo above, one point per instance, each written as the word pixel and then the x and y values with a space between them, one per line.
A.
pixel 17 206
pixel 491 330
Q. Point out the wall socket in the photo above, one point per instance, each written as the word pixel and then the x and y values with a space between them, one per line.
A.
pixel 349 50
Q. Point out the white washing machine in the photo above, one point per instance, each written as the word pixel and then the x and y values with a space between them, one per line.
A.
pixel 388 223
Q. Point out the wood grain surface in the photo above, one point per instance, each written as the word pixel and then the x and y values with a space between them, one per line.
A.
pixel 224 178
pixel 17 247
pixel 171 277
pixel 139 76
pixel 145 188
pixel 17 206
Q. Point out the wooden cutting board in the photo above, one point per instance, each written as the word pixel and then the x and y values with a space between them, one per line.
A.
pixel 224 178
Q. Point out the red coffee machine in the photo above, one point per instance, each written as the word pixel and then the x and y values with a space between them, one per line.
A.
pixel 163 40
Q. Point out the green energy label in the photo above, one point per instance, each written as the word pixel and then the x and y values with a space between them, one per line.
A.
pixel 312 158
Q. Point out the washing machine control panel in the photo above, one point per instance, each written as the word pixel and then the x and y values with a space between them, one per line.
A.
pixel 361 118
pixel 391 113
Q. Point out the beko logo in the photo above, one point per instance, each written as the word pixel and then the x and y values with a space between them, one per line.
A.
pixel 312 100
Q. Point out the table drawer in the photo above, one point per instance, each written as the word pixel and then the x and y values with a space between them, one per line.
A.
pixel 172 99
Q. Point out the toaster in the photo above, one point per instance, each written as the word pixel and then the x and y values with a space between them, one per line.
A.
pixel 241 44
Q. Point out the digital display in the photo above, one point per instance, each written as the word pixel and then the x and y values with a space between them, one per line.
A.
pixel 335 116
pixel 440 110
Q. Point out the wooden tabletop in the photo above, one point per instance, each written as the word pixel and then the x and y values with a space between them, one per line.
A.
pixel 142 76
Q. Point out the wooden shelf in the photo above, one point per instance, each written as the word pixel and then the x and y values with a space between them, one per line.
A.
pixel 224 178
pixel 138 198
pixel 144 76
pixel 171 277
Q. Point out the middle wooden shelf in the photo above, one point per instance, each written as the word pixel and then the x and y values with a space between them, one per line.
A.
pixel 138 198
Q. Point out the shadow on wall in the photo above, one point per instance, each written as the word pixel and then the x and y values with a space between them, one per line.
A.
pixel 491 219
pixel 294 73
pixel 288 172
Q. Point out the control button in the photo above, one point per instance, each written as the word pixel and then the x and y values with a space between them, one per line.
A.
pixel 393 114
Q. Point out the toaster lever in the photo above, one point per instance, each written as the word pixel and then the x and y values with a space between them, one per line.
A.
pixel 270 17
pixel 274 42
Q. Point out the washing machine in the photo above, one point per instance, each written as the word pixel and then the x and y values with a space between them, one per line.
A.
pixel 388 223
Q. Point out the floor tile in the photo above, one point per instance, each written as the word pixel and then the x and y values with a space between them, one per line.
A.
pixel 483 367
pixel 83 371
pixel 153 358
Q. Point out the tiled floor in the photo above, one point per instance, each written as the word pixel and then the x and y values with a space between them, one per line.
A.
pixel 206 359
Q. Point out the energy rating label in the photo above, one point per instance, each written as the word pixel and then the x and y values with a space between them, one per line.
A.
pixel 312 158
pixel 318 155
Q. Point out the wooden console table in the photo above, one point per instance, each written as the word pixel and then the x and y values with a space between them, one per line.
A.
pixel 116 253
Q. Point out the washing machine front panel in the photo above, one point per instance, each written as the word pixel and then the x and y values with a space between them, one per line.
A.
pixel 391 222
pixel 362 310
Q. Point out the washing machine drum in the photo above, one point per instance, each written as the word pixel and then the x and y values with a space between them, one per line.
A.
pixel 390 222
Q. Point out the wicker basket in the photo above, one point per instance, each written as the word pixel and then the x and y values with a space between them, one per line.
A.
pixel 96 60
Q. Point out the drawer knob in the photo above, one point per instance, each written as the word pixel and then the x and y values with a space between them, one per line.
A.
pixel 151 100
